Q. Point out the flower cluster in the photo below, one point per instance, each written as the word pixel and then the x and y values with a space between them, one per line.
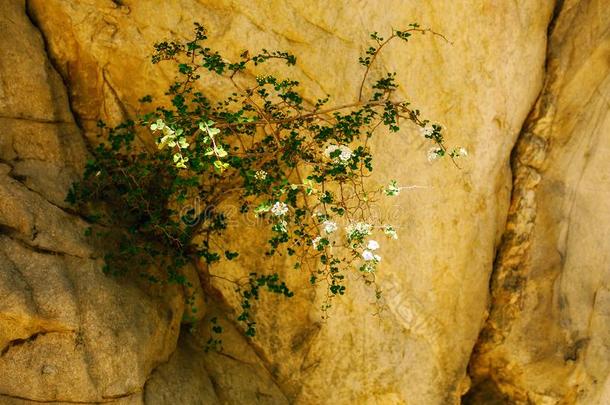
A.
pixel 458 152
pixel 426 132
pixel 317 242
pixel 390 232
pixel 339 154
pixel 434 153
pixel 329 226
pixel 260 175
pixel 434 133
pixel 392 189
pixel 371 259
pixel 357 232
pixel 279 209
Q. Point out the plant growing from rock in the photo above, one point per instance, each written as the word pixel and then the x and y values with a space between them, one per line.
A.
pixel 300 166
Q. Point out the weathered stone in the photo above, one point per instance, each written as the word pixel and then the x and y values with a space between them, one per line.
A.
pixel 547 340
pixel 238 373
pixel 183 379
pixel 480 87
pixel 70 333
pixel 67 333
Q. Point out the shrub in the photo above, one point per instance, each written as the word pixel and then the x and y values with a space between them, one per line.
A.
pixel 300 166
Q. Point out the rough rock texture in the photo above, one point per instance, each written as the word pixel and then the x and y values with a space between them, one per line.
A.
pixel 547 340
pixel 182 380
pixel 436 277
pixel 235 375
pixel 67 333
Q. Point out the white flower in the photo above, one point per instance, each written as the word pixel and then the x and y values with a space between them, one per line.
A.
pixel 457 153
pixel 358 230
pixel 434 153
pixel 316 241
pixel 371 257
pixel 329 226
pixel 390 232
pixel 372 245
pixel 260 175
pixel 426 132
pixel 344 156
pixel 279 209
pixel 392 189
pixel 368 255
pixel 346 153
pixel 329 150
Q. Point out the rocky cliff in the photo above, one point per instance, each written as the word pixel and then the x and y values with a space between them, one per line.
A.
pixel 497 292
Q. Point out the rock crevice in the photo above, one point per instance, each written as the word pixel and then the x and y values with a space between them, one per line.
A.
pixel 536 344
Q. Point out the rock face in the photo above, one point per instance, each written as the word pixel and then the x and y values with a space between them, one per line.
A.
pixel 68 333
pixel 547 339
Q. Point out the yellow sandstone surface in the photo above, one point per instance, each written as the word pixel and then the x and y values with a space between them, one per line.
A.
pixel 497 285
